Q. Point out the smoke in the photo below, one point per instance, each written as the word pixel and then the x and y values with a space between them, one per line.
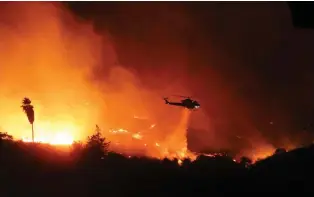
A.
pixel 80 73
pixel 73 77
pixel 48 56
pixel 223 54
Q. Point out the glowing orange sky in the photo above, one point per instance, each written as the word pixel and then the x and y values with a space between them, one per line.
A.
pixel 47 56
pixel 50 57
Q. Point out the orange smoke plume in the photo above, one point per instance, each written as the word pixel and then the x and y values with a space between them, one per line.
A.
pixel 47 56
pixel 51 56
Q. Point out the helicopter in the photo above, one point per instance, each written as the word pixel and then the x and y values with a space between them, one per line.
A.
pixel 186 103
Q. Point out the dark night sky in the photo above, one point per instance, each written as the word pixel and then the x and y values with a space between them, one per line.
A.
pixel 242 58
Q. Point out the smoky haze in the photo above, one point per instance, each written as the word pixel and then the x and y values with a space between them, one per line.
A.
pixel 53 57
pixel 230 56
pixel 125 57
pixel 48 56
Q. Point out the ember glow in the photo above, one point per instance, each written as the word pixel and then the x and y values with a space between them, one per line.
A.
pixel 174 145
pixel 51 57
pixel 57 60
pixel 47 56
pixel 58 139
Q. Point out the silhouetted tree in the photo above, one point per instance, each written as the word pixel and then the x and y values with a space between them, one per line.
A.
pixel 96 146
pixel 28 108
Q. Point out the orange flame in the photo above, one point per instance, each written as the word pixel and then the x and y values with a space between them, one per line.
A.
pixel 51 57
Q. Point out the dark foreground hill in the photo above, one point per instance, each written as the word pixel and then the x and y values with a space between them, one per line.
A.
pixel 41 170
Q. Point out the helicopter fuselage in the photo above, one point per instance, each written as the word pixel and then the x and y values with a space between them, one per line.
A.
pixel 187 103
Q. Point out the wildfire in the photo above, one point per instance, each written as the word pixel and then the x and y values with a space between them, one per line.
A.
pixel 60 55
pixel 261 153
pixel 50 56
pixel 58 139
pixel 174 146
pixel 137 136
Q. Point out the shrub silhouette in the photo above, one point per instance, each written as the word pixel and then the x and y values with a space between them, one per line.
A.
pixel 36 170
pixel 245 161
pixel 5 136
pixel 96 147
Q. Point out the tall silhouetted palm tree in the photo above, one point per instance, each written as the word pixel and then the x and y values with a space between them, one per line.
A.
pixel 29 111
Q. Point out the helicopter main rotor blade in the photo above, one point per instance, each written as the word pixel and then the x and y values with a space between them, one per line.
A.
pixel 181 96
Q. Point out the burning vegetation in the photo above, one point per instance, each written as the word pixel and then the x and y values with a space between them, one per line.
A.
pixel 56 58
pixel 61 55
